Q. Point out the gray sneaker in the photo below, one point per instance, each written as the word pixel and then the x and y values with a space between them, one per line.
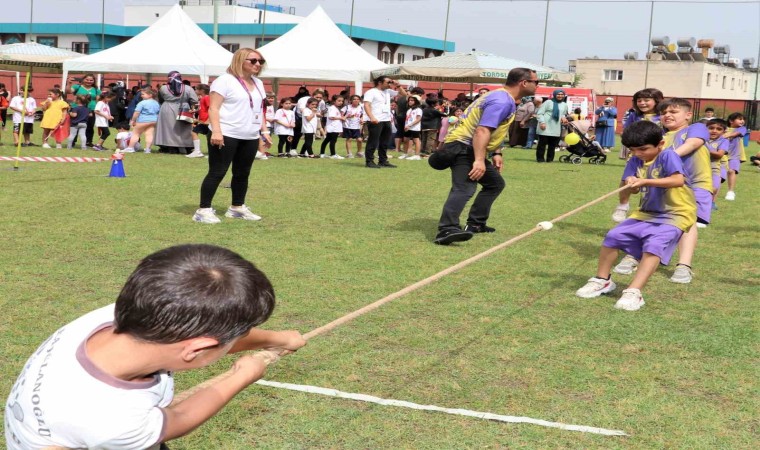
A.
pixel 205 215
pixel 241 212
pixel 682 274
pixel 595 287
pixel 627 265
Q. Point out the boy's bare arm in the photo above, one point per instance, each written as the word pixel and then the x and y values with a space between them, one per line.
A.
pixel 257 339
pixel 717 155
pixel 689 146
pixel 674 180
pixel 189 414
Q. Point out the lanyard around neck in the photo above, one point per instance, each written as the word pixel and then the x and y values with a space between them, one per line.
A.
pixel 250 98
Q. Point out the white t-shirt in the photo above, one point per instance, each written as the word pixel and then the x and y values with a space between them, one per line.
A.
pixel 309 126
pixel 62 399
pixel 18 102
pixel 380 102
pixel 122 139
pixel 333 125
pixel 353 117
pixel 287 116
pixel 413 114
pixel 102 107
pixel 301 105
pixel 270 115
pixel 240 116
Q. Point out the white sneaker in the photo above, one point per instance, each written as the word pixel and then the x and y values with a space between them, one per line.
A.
pixel 195 154
pixel 349 156
pixel 701 225
pixel 261 156
pixel 58 146
pixel 323 156
pixel 595 287
pixel 414 158
pixel 128 150
pixel 631 300
pixel 293 153
pixel 402 157
pixel 337 157
pixel 730 195
pixel 627 265
pixel 359 154
pixel 206 215
pixel 682 274
pixel 46 145
pixel 620 214
pixel 146 151
pixel 241 212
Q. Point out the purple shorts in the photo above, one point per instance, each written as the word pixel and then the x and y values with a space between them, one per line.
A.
pixel 733 164
pixel 723 173
pixel 704 204
pixel 716 181
pixel 636 237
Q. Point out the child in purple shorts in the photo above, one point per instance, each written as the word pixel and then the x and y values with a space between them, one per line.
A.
pixel 718 147
pixel 651 233
pixel 735 136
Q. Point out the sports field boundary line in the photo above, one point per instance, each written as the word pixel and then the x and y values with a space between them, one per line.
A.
pixel 454 411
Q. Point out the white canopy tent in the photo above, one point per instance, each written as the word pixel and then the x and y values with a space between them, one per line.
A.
pixel 316 49
pixel 173 42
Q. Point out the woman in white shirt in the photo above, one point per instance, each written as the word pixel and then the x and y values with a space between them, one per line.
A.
pixel 236 117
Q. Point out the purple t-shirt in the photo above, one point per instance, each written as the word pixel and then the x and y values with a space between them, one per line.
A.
pixel 696 165
pixel 672 206
pixel 493 110
pixel 635 117
pixel 735 147
pixel 714 146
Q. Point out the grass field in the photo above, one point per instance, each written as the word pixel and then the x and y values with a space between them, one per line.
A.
pixel 505 335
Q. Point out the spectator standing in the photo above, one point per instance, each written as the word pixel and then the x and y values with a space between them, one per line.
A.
pixel 172 135
pixel 377 105
pixel 87 88
pixel 551 116
pixel 56 112
pixel 532 123
pixel 606 116
pixel 518 131
pixel 23 117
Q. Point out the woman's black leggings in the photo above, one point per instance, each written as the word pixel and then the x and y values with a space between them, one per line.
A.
pixel 239 153
pixel 331 139
pixel 104 132
pixel 282 141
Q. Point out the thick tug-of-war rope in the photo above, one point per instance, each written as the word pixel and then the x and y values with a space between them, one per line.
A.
pixel 269 356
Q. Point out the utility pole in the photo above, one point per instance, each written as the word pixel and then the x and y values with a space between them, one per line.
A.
pixel 649 42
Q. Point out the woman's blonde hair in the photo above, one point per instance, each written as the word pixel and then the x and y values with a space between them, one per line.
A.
pixel 238 59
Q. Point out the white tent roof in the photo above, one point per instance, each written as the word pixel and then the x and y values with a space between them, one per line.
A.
pixel 173 42
pixel 316 49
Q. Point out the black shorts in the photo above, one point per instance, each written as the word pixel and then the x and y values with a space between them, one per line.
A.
pixel 201 128
pixel 28 128
pixel 351 133
pixel 400 128
pixel 412 134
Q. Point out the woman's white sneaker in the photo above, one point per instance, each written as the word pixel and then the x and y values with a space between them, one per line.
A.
pixel 627 265
pixel 241 212
pixel 206 215
pixel 631 300
pixel 596 287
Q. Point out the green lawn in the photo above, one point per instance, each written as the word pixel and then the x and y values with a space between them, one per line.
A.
pixel 505 335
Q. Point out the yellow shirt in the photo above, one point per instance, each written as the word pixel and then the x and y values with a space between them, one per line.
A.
pixel 54 114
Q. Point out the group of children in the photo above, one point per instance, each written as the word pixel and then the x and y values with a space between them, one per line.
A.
pixel 678 168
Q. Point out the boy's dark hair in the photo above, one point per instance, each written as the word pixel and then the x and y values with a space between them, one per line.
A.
pixel 203 88
pixel 83 99
pixel 653 93
pixel 431 102
pixel 709 109
pixel 720 122
pixel 642 133
pixel 417 91
pixel 734 116
pixel 311 100
pixel 190 291
pixel 122 126
pixel 680 103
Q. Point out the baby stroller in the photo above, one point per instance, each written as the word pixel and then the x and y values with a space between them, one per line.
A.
pixel 584 147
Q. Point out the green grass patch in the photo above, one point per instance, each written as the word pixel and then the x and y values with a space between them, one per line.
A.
pixel 504 335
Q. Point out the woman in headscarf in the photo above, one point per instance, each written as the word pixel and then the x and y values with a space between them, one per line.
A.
pixel 550 116
pixel 172 135
pixel 606 116
pixel 518 130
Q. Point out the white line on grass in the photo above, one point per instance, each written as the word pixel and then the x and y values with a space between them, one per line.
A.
pixel 455 411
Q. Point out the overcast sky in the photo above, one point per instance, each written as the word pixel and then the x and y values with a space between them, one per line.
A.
pixel 514 28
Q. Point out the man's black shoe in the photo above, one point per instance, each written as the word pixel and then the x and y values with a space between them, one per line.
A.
pixel 372 165
pixel 479 228
pixel 446 237
pixel 387 165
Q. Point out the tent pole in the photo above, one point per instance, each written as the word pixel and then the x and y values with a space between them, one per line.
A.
pixel 18 82
pixel 23 117
pixel 276 86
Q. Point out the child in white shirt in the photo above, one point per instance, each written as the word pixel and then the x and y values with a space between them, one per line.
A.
pixel 412 127
pixel 309 124
pixel 284 122
pixel 334 127
pixel 17 105
pixel 352 128
pixel 102 116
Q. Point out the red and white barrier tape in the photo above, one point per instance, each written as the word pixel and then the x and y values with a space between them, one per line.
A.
pixel 60 159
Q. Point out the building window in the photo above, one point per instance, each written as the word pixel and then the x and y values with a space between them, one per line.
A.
pixel 612 75
pixel 234 47
pixel 417 57
pixel 385 57
pixel 400 58
pixel 733 83
pixel 260 42
pixel 745 85
pixel 724 81
pixel 80 47
pixel 50 41
pixel 708 78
